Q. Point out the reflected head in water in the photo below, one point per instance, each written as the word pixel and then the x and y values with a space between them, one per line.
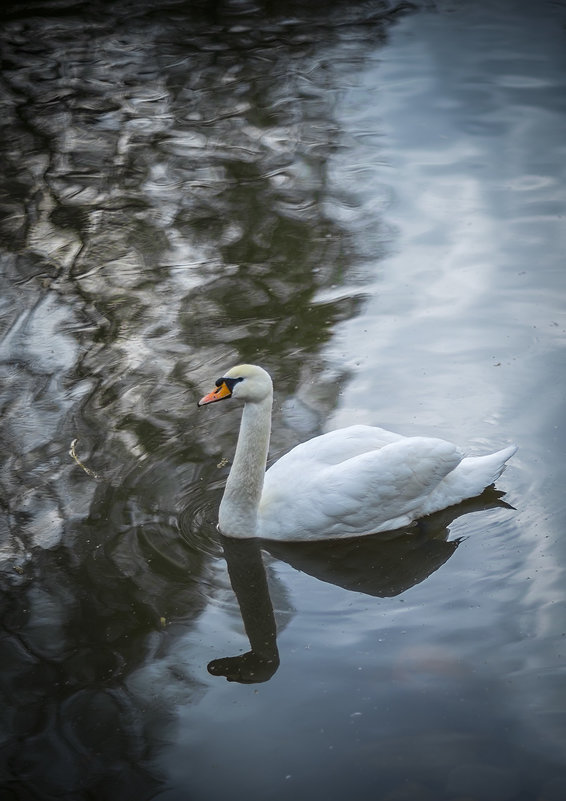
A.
pixel 355 481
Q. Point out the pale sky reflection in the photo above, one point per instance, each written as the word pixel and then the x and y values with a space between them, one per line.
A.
pixel 464 334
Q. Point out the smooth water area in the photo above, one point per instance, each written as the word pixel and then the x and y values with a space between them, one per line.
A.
pixel 367 199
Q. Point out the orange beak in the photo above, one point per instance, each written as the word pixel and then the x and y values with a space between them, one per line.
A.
pixel 220 393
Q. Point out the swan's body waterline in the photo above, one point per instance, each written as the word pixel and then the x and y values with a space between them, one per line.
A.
pixel 353 481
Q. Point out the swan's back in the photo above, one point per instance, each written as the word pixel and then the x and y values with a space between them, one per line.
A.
pixel 335 447
pixel 354 481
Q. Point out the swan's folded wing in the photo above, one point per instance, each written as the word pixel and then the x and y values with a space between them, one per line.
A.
pixel 370 492
pixel 384 487
pixel 337 446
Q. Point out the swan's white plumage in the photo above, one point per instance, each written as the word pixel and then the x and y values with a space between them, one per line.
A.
pixel 354 481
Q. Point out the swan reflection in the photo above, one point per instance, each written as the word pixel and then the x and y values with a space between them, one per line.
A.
pixel 381 565
pixel 249 582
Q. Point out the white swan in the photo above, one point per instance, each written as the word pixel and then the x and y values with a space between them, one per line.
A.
pixel 354 481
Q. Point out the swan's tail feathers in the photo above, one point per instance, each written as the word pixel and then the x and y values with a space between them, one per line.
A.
pixel 500 459
pixel 507 453
pixel 488 468
pixel 468 480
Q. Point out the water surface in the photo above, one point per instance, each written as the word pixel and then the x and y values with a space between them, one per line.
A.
pixel 367 199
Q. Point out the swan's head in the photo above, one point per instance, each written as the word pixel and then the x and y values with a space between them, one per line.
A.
pixel 248 382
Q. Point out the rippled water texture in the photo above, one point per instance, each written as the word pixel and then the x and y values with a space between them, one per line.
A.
pixel 368 199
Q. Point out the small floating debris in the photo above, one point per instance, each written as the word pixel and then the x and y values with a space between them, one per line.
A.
pixel 73 455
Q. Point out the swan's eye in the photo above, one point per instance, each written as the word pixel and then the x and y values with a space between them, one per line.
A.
pixel 231 382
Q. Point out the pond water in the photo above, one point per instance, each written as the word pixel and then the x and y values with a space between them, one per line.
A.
pixel 367 199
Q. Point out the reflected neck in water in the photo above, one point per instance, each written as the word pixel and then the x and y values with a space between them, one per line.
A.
pixel 249 582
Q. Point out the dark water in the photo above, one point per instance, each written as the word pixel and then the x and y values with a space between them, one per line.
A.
pixel 368 199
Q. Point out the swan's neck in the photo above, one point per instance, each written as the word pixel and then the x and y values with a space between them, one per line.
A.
pixel 240 503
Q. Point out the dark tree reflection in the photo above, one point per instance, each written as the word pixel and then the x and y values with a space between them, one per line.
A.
pixel 163 184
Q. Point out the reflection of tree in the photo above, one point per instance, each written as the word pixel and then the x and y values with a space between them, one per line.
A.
pixel 162 186
pixel 72 638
